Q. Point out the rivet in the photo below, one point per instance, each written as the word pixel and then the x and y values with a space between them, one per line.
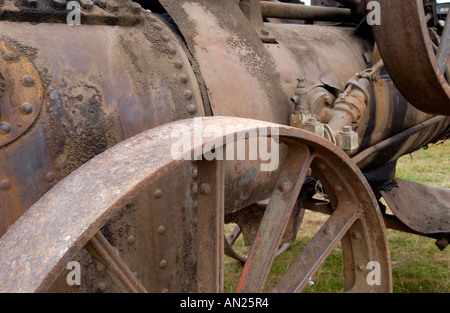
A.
pixel 163 264
pixel 136 8
pixel 158 193
pixel 338 188
pixel 26 108
pixel 356 235
pixel 188 94
pixel 112 6
pixel 87 5
pixel 165 37
pixel 192 109
pixel 5 128
pixel 161 230
pixel 9 56
pixel 178 64
pixel 5 185
pixel 284 186
pixel 50 177
pixel 131 239
pixel 361 267
pixel 184 78
pixel 27 81
pixel 101 287
pixel 172 49
pixel 205 189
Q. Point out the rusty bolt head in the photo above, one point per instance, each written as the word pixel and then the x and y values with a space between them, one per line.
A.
pixel 5 185
pixel 161 230
pixel 184 78
pixel 135 8
pixel 285 186
pixel 158 193
pixel 26 108
pixel 178 64
pixel 112 6
pixel 27 81
pixel 59 3
pixel 131 239
pixel 5 128
pixel 163 264
pixel 192 109
pixel 87 5
pixel 188 94
pixel 205 189
pixel 9 56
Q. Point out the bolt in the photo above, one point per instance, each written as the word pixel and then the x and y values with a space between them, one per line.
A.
pixel 178 64
pixel 192 109
pixel 184 78
pixel 5 185
pixel 112 6
pixel 135 8
pixel 265 31
pixel 313 120
pixel 10 56
pixel 50 177
pixel 172 49
pixel 161 230
pixel 188 94
pixel 26 108
pixel 131 239
pixel 59 3
pixel 205 189
pixel 338 188
pixel 87 5
pixel 356 235
pixel 284 186
pixel 5 128
pixel 327 231
pixel 163 264
pixel 27 81
pixel 361 267
pixel 158 193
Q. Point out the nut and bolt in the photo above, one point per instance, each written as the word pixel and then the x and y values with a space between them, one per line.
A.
pixel 347 139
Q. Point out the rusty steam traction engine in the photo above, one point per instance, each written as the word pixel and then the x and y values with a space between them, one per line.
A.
pixel 88 113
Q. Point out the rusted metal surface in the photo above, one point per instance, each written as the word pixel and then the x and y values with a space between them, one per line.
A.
pixel 117 176
pixel 424 84
pixel 425 209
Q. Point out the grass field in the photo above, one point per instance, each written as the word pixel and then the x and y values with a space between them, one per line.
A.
pixel 418 266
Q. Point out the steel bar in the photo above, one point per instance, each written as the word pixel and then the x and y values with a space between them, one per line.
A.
pixel 317 250
pixel 275 220
pixel 301 12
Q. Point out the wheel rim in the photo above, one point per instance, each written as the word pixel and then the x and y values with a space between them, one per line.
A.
pixel 70 215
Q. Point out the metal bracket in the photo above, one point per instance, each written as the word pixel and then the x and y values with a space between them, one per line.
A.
pixel 252 10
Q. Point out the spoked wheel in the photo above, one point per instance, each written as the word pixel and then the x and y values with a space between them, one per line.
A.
pixel 181 242
pixel 403 38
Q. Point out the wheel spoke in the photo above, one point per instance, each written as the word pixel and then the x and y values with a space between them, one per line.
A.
pixel 443 50
pixel 275 220
pixel 318 250
pixel 101 249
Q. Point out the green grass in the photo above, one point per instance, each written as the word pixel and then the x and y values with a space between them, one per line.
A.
pixel 418 266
